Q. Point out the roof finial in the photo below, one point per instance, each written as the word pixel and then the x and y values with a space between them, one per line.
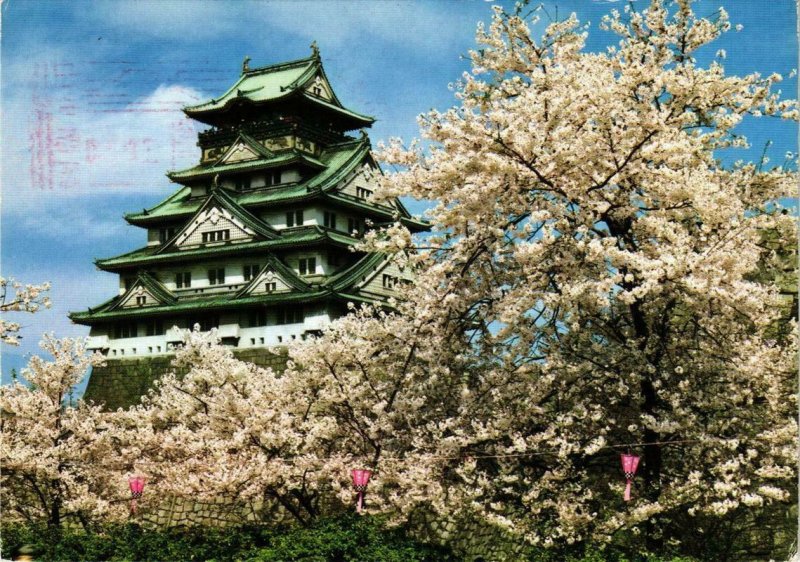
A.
pixel 314 50
pixel 246 64
pixel 215 182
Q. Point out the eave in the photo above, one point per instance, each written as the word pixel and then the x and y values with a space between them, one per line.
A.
pixel 298 237
pixel 285 159
pixel 197 305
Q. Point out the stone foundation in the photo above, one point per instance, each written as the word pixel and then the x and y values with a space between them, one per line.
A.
pixel 121 383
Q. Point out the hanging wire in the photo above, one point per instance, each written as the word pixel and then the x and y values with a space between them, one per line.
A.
pixel 478 456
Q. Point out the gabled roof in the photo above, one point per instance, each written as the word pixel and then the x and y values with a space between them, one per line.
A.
pixel 243 139
pixel 273 83
pixel 211 302
pixel 291 238
pixel 284 272
pixel 338 161
pixel 148 283
pixel 350 276
pixel 285 158
pixel 220 198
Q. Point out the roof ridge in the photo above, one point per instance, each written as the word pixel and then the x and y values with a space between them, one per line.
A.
pixel 152 284
pixel 146 211
pixel 255 223
pixel 278 66
pixel 344 278
pixel 303 235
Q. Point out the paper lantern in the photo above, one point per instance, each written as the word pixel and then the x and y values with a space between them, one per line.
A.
pixel 629 465
pixel 360 481
pixel 136 484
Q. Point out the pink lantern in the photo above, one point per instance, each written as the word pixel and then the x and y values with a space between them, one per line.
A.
pixel 360 481
pixel 629 465
pixel 136 484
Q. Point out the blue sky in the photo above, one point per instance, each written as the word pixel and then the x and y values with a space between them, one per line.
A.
pixel 91 93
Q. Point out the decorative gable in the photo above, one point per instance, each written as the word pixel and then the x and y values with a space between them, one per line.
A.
pixel 269 282
pixel 362 182
pixel 320 88
pixel 244 149
pixel 238 152
pixel 214 224
pixel 383 280
pixel 274 277
pixel 145 291
pixel 138 296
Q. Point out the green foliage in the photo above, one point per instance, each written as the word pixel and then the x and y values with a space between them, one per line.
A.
pixel 335 540
pixel 129 542
pixel 348 538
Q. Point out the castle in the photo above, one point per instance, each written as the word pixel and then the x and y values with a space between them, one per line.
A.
pixel 258 240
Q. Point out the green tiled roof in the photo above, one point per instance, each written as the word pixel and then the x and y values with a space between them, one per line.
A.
pixel 339 160
pixel 248 218
pixel 351 275
pixel 273 83
pixel 289 238
pixel 211 302
pixel 263 84
pixel 282 159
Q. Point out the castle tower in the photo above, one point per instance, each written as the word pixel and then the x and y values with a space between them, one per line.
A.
pixel 257 240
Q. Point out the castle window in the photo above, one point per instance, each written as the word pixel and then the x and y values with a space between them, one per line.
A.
pixel 307 266
pixel 363 192
pixel 141 300
pixel 216 235
pixel 183 280
pixel 270 287
pixel 329 219
pixel 294 218
pixel 317 90
pixel 355 225
pixel 125 330
pixel 242 183
pixel 166 234
pixel 257 318
pixel 216 276
pixel 206 323
pixel 250 271
pixel 290 315
pixel 390 281
pixel 273 177
pixel 154 328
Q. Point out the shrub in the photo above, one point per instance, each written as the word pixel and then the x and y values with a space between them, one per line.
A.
pixel 335 539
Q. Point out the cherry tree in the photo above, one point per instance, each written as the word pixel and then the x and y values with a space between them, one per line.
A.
pixel 16 297
pixel 58 461
pixel 227 428
pixel 603 262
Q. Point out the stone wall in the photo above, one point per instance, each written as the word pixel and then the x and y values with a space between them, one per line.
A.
pixel 122 382
pixel 471 539
pixel 176 512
